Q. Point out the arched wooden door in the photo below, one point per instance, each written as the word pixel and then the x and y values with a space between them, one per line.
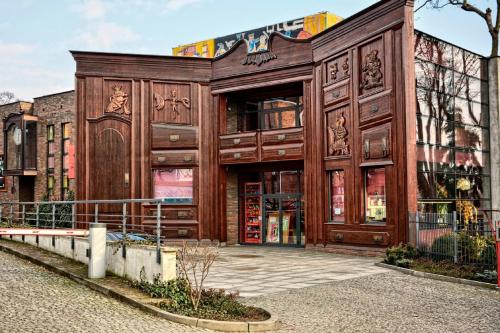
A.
pixel 109 170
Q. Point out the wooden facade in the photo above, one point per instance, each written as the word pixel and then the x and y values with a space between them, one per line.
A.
pixel 138 113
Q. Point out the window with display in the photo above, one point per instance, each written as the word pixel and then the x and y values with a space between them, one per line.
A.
pixel 375 195
pixel 453 158
pixel 50 159
pixel 173 186
pixel 2 176
pixel 65 157
pixel 336 189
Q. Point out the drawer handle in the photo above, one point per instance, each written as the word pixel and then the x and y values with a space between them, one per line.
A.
pixel 336 94
pixel 236 141
pixel 182 214
pixel 188 158
pixel 374 108
pixel 173 137
pixel 281 152
pixel 281 137
pixel 237 156
pixel 161 158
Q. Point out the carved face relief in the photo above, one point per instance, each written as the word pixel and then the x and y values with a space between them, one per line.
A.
pixel 337 137
pixel 345 66
pixel 118 101
pixel 371 71
pixel 334 69
pixel 159 102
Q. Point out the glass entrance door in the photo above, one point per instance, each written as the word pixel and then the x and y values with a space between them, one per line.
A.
pixel 283 219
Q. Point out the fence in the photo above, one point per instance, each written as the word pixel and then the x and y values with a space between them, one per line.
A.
pixel 123 218
pixel 443 237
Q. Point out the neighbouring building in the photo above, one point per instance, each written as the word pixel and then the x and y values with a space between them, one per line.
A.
pixel 332 139
pixel 37 148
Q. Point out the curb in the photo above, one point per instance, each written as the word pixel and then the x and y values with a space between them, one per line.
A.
pixel 271 324
pixel 439 277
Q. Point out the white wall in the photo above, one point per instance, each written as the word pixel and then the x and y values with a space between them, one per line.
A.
pixel 138 257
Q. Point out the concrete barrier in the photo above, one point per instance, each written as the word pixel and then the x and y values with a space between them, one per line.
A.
pixel 138 257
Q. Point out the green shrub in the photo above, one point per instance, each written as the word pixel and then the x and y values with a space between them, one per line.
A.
pixel 401 255
pixel 175 291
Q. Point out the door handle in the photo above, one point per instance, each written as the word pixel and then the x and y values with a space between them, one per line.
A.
pixel 127 178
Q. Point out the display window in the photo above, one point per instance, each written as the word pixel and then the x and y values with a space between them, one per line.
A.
pixel 173 186
pixel 375 195
pixel 337 196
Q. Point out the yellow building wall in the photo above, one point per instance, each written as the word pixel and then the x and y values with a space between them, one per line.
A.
pixel 204 49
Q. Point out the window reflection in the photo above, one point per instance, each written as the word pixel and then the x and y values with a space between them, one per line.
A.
pixel 337 196
pixel 375 191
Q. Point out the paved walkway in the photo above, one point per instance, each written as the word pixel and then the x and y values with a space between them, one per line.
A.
pixel 33 299
pixel 255 270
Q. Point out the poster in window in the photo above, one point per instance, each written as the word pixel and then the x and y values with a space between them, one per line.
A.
pixel 285 226
pixel 174 185
pixel 273 235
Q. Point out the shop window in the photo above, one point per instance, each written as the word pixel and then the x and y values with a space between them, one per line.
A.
pixel 337 195
pixel 65 144
pixel 375 195
pixel 173 186
pixel 50 160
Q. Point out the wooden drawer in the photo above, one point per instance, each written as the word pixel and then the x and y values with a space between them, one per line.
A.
pixel 374 108
pixel 359 237
pixel 172 213
pixel 174 157
pixel 239 155
pixel 284 152
pixel 171 136
pixel 282 136
pixel 238 140
pixel 177 229
pixel 336 93
pixel 376 142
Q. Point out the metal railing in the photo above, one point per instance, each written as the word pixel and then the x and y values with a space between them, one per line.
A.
pixel 444 237
pixel 124 219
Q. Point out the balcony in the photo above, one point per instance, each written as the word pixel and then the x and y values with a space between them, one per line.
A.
pixel 20 144
pixel 262 146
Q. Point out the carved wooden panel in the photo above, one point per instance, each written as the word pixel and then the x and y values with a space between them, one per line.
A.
pixel 336 93
pixel 171 103
pixel 294 151
pixel 172 136
pixel 174 157
pixel 371 67
pixel 239 155
pixel 338 69
pixel 339 138
pixel 376 143
pixel 375 107
pixel 117 98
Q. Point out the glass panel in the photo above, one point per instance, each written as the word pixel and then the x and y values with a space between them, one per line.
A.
pixel 173 186
pixel 65 181
pixel 289 221
pixel 50 132
pixel 14 148
pixel 272 220
pixel 434 158
pixel 375 201
pixel 434 131
pixel 50 182
pixel 30 145
pixel 2 169
pixel 426 185
pixel 470 112
pixel 471 137
pixel 67 131
pixel 65 162
pixel 271 120
pixel 337 193
pixel 50 162
pixel 473 187
pixel 52 148
pixel 474 162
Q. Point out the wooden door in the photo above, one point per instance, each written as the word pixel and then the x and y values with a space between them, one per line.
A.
pixel 109 170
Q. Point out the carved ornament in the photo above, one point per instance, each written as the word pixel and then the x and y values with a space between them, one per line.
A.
pixel 371 71
pixel 345 67
pixel 334 69
pixel 159 102
pixel 118 101
pixel 337 136
pixel 258 58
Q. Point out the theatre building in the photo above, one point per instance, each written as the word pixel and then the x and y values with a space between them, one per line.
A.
pixel 304 142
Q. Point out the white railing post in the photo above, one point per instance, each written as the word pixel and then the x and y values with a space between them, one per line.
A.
pixel 158 232
pixel 124 230
pixel 455 237
pixel 53 223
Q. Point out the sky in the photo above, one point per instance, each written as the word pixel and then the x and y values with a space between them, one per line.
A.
pixel 35 35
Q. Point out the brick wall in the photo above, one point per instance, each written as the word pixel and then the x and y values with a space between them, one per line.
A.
pixel 232 207
pixel 232 118
pixel 54 110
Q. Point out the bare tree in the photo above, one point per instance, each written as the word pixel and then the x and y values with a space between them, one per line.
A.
pixel 195 262
pixel 7 97
pixel 486 15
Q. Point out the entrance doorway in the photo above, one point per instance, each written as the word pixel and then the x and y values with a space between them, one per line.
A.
pixel 26 188
pixel 273 208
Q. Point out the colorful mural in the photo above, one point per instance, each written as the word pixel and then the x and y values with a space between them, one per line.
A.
pixel 257 39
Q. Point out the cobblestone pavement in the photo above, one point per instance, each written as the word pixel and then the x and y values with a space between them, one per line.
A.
pixel 388 302
pixel 255 270
pixel 33 299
